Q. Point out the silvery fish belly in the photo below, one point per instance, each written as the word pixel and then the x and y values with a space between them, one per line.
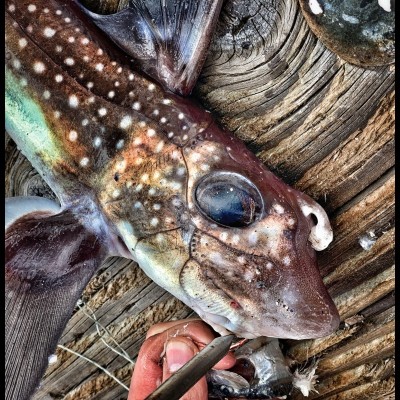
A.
pixel 143 173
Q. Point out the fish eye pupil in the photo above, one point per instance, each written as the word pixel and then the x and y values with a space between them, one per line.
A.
pixel 229 200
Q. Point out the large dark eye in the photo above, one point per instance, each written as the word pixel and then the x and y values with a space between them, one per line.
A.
pixel 229 199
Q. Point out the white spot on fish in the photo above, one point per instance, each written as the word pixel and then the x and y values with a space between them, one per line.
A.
pixel 58 78
pixel 315 7
pixel 11 8
pixel 99 52
pixel 170 134
pixel 144 177
pixel 84 162
pixel 23 82
pixel 235 239
pixel 111 94
pixel 116 193
pixel 73 135
pixel 195 157
pixel 163 120
pixel 157 206
pixel 126 122
pixel 137 141
pixel 176 185
pixel 223 236
pixel 69 61
pixel 90 85
pixel 58 49
pixel 253 238
pixel 22 42
pixel 16 64
pixel 73 101
pixel 181 171
pixel 57 114
pixel 67 20
pixel 278 208
pixel 136 106
pixel 102 111
pixel 84 122
pixel 97 141
pixel 31 8
pixel 39 67
pixel 71 39
pixel 116 83
pixel 166 101
pixel 151 87
pixel 85 41
pixel 154 221
pixel 49 32
pixel 216 257
pixel 350 18
pixel 159 146
pixel 46 95
pixel 99 67
pixel 120 144
pixel 152 191
pixel 151 132
pixel 121 165
pixel 181 116
pixel 286 260
pixel 137 204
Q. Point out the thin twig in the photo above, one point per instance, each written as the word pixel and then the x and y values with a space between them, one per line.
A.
pixel 94 363
pixel 123 353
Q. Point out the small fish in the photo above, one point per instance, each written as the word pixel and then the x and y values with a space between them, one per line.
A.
pixel 143 173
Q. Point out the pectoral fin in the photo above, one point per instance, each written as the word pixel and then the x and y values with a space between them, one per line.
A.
pixel 50 257
pixel 168 39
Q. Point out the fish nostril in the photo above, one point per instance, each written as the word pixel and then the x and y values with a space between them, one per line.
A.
pixel 321 233
pixel 314 219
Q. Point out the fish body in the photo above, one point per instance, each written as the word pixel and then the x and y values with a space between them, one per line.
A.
pixel 150 176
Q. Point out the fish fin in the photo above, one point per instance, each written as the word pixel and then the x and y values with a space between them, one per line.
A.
pixel 50 258
pixel 168 39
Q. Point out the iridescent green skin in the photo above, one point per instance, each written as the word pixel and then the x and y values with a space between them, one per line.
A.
pixel 126 157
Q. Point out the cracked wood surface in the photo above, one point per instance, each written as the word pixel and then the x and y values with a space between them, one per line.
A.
pixel 322 125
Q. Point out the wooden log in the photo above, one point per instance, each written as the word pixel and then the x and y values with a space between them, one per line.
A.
pixel 319 123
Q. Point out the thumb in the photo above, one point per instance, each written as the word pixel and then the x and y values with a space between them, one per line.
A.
pixel 179 351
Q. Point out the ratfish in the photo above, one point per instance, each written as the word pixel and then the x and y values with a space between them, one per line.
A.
pixel 144 173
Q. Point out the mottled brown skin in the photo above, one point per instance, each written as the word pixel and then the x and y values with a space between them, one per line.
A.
pixel 125 158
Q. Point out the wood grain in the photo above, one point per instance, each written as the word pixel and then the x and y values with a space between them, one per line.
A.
pixel 325 127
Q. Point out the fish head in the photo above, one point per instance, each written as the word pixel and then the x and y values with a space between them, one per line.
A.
pixel 252 267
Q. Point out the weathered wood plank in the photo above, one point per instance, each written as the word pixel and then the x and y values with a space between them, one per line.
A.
pixel 319 123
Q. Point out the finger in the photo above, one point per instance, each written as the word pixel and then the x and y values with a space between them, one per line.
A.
pixel 178 352
pixel 198 331
pixel 147 375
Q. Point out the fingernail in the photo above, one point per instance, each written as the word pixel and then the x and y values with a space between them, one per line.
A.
pixel 177 354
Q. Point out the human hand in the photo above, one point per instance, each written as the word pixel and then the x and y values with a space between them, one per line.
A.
pixel 167 347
